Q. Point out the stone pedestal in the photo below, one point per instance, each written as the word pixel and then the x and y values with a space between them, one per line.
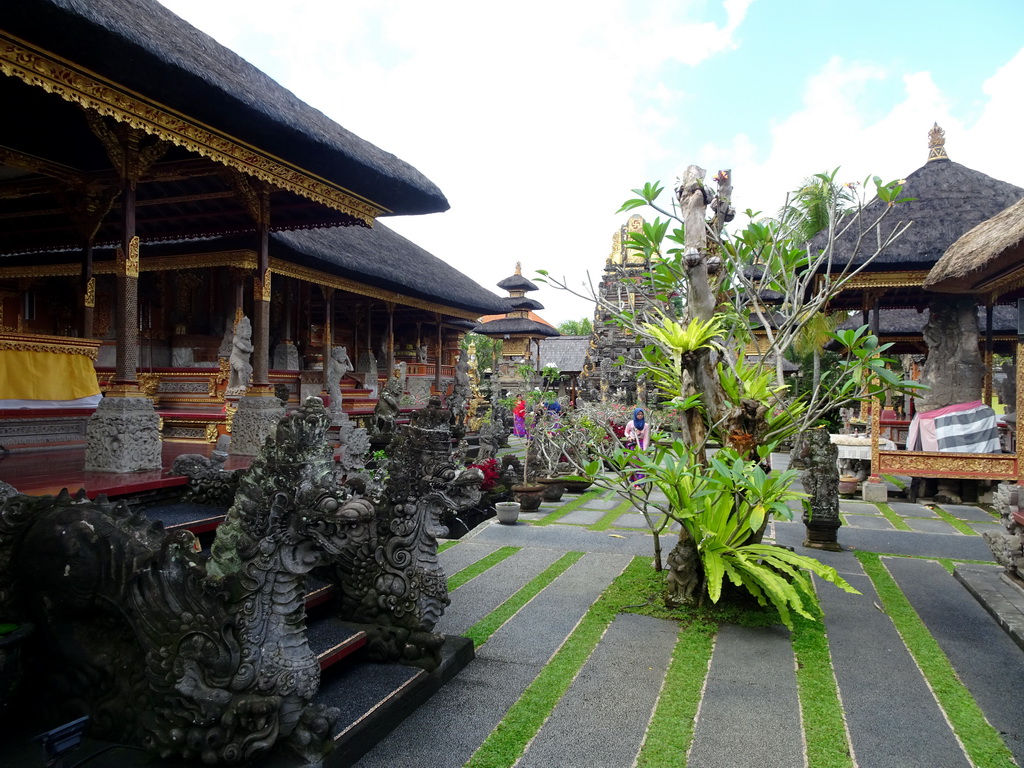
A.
pixel 256 417
pixel 814 454
pixel 286 357
pixel 874 491
pixel 123 435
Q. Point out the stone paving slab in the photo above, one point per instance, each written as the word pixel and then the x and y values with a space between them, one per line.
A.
pixel 602 504
pixel 750 712
pixel 481 595
pixel 631 520
pixel 589 727
pixel 874 522
pixel 540 627
pixel 581 517
pixel 1003 599
pixel 964 512
pixel 956 546
pixel 463 554
pixel 446 730
pixel 893 719
pixel 567 538
pixel 983 527
pixel 858 507
pixel 929 526
pixel 985 658
pixel 908 509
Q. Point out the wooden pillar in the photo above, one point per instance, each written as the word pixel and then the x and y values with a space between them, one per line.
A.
pixel 328 343
pixel 261 299
pixel 1019 368
pixel 440 350
pixel 127 270
pixel 391 336
pixel 986 387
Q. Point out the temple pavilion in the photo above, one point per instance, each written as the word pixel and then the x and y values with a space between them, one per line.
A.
pixel 155 188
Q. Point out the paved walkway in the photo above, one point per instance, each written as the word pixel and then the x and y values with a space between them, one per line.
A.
pixel 749 714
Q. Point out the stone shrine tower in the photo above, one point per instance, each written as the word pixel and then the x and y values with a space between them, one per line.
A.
pixel 622 288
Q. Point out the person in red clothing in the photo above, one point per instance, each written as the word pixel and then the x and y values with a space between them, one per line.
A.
pixel 519 417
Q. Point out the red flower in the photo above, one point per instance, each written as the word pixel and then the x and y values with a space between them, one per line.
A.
pixel 491 472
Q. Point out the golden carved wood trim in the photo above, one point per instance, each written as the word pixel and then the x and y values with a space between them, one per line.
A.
pixel 994 466
pixel 65 345
pixel 75 84
pixel 90 293
pixel 243 259
pixel 865 280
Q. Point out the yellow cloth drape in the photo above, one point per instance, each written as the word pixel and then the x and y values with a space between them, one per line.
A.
pixel 31 375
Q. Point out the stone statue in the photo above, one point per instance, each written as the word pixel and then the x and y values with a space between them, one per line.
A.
pixel 203 657
pixel 224 351
pixel 421 353
pixel 368 366
pixel 240 367
pixel 461 391
pixel 337 369
pixel 385 414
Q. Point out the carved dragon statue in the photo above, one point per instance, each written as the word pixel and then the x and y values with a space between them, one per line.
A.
pixel 394 585
pixel 187 654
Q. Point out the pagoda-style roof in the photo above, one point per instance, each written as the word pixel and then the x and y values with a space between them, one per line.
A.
pixel 523 302
pixel 520 326
pixel 517 283
pixel 987 260
pixel 947 199
pixel 66 63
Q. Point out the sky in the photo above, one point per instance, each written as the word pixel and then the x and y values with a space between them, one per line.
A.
pixel 537 119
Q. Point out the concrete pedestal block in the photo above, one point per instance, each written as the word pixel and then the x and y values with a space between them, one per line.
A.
pixel 874 491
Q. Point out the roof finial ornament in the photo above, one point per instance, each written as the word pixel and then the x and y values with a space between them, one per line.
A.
pixel 519 268
pixel 937 144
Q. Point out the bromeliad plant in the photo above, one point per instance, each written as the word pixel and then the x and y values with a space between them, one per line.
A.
pixel 723 508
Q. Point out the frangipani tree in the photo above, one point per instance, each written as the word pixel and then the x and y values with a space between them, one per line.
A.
pixel 709 293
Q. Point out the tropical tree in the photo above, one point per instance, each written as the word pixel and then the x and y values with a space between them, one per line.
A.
pixel 488 350
pixel 582 327
pixel 694 354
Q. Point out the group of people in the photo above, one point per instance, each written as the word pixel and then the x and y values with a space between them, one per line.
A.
pixel 637 430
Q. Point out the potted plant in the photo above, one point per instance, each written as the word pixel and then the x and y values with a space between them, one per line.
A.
pixel 529 495
pixel 507 511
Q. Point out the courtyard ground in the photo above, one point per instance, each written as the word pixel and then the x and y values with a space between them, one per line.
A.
pixel 912 672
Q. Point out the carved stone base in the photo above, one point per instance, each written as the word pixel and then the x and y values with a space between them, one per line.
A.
pixel 286 357
pixel 255 418
pixel 123 435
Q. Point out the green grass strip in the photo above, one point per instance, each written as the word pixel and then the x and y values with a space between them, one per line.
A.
pixel 507 742
pixel 890 514
pixel 895 481
pixel 960 525
pixel 981 741
pixel 824 729
pixel 608 518
pixel 446 545
pixel 489 624
pixel 471 572
pixel 568 507
pixel 670 732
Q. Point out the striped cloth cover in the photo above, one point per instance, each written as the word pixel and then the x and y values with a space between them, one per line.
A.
pixel 960 428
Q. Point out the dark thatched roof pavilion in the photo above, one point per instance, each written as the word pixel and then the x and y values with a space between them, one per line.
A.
pixel 948 199
pixel 987 260
pixel 74 70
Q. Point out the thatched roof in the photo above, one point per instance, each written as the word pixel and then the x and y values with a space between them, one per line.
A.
pixel 521 326
pixel 989 254
pixel 516 282
pixel 567 353
pixel 906 321
pixel 143 47
pixel 378 257
pixel 949 199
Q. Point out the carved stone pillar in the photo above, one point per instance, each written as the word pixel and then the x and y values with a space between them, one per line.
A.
pixel 260 410
pixel 328 341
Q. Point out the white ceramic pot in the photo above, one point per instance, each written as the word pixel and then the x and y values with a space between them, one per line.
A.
pixel 508 512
